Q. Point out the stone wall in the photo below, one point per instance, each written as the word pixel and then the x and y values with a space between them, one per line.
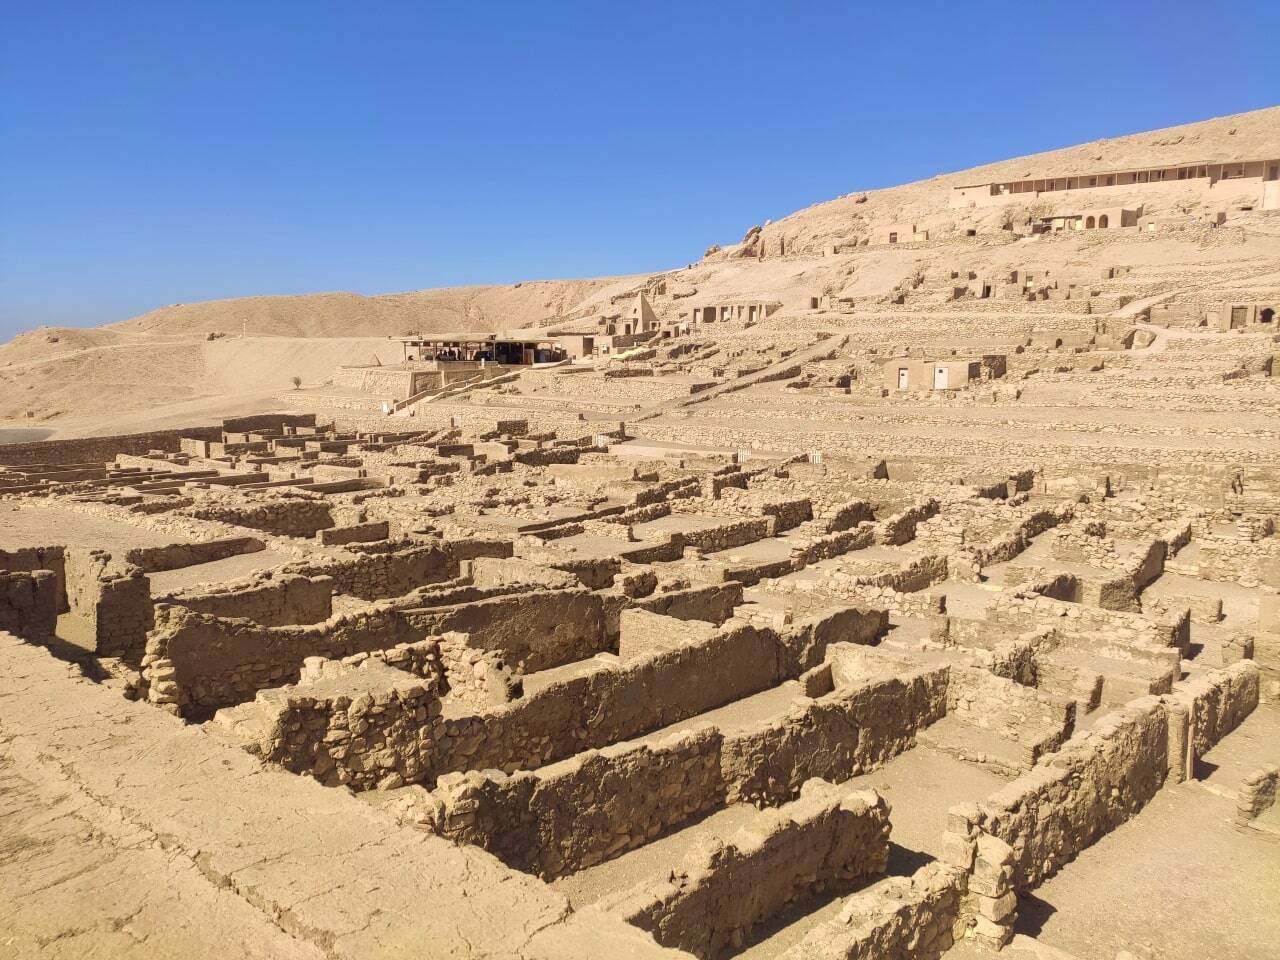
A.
pixel 604 703
pixel 827 837
pixel 30 559
pixel 378 576
pixel 1096 782
pixel 835 736
pixel 1257 793
pixel 542 822
pixel 714 603
pixel 355 533
pixel 806 641
pixel 537 820
pixel 532 631
pixel 268 599
pixel 178 555
pixel 900 528
pixel 1038 722
pixel 726 536
pixel 914 917
pixel 366 720
pixel 1016 609
pixel 283 515
pixel 476 677
pixel 29 603
pixel 827 546
pixel 196 663
pixel 1215 704
pixel 112 600
pixel 101 449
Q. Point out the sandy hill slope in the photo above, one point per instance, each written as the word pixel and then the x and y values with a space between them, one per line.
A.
pixel 163 364
pixel 349 314
pixel 1246 136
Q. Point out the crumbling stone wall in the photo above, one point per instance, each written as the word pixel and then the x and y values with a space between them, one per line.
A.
pixel 916 916
pixel 269 600
pixel 420 658
pixel 1039 722
pixel 101 449
pixel 377 576
pixel 197 663
pixel 532 631
pixel 1017 609
pixel 835 736
pixel 827 546
pixel 714 603
pixel 178 555
pixel 1257 793
pixel 30 559
pixel 900 527
pixel 286 515
pixel 536 820
pixel 29 603
pixel 605 703
pixel 474 676
pixel 367 719
pixel 355 533
pixel 1215 704
pixel 540 821
pixel 1097 781
pixel 113 599
pixel 726 536
pixel 823 838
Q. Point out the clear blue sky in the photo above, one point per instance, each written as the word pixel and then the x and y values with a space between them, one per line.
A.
pixel 153 153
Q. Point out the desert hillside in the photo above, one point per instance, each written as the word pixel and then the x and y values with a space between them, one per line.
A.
pixel 192 357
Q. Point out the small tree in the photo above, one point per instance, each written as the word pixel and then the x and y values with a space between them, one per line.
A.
pixel 297 382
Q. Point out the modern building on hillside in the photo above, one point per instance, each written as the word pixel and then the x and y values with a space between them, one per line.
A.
pixel 1238 316
pixel 519 348
pixel 1097 218
pixel 905 373
pixel 1260 176
pixel 749 311
pixel 898 233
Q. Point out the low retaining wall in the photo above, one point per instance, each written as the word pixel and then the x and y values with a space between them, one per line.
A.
pixel 101 449
pixel 196 663
pixel 915 917
pixel 113 600
pixel 378 576
pixel 178 555
pixel 31 559
pixel 1096 782
pixel 532 631
pixel 286 516
pixel 537 821
pixel 29 603
pixel 269 600
pixel 823 838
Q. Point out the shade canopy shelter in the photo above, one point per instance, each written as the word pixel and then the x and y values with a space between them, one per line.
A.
pixel 480 347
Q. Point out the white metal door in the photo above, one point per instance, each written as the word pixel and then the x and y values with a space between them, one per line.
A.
pixel 902 378
pixel 939 378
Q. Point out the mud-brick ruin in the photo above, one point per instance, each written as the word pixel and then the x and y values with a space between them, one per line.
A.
pixel 901 582
pixel 566 691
